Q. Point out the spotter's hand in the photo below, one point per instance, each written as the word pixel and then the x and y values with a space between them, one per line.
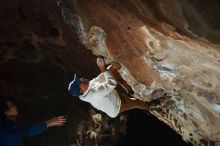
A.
pixel 56 121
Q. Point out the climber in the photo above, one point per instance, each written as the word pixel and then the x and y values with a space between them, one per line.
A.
pixel 101 94
pixel 11 133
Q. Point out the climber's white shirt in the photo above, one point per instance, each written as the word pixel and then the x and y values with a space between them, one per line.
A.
pixel 102 95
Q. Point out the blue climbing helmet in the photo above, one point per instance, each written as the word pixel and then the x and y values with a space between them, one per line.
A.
pixel 74 88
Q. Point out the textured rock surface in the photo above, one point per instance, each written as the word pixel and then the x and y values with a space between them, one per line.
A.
pixel 167 48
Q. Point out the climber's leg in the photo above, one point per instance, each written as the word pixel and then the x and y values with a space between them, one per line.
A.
pixel 127 104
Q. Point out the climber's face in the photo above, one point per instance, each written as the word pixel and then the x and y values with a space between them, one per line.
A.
pixel 84 84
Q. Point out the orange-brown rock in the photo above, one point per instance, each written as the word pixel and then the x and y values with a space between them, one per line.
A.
pixel 167 49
